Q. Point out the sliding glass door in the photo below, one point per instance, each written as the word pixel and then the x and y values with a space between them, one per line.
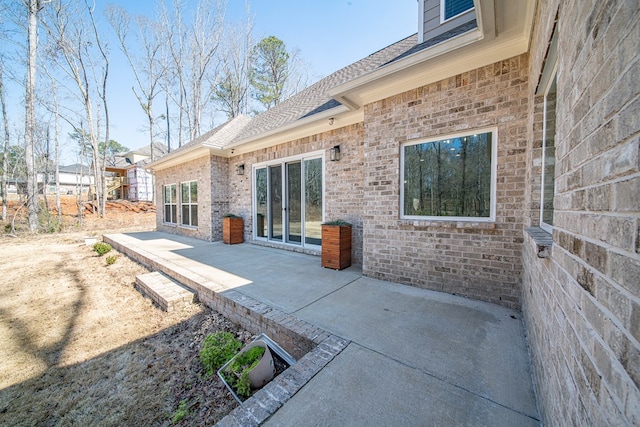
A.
pixel 293 211
pixel 313 201
pixel 288 201
pixel 275 202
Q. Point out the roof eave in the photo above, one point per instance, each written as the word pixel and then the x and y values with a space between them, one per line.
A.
pixel 342 92
pixel 473 49
pixel 178 157
pixel 300 128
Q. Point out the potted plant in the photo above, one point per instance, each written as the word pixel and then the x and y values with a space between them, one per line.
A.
pixel 336 244
pixel 250 369
pixel 232 229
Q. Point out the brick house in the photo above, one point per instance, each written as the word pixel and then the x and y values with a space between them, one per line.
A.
pixel 493 155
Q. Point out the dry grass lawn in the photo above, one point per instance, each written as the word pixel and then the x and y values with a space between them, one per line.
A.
pixel 80 346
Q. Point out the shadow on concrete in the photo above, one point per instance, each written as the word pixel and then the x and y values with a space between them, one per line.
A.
pixel 130 385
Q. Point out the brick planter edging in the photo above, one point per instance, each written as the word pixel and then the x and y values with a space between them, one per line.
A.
pixel 265 402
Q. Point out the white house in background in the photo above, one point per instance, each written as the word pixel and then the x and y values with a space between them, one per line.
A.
pixel 74 179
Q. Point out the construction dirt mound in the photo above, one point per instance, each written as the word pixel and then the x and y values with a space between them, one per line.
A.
pixel 70 204
pixel 81 214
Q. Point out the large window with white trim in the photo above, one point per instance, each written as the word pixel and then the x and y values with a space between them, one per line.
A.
pixel 170 200
pixel 450 178
pixel 189 203
pixel 548 156
pixel 547 88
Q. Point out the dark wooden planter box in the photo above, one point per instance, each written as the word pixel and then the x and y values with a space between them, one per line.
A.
pixel 336 246
pixel 232 230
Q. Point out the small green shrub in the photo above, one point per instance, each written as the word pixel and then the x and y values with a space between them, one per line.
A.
pixel 101 248
pixel 181 412
pixel 340 222
pixel 237 373
pixel 217 349
pixel 111 259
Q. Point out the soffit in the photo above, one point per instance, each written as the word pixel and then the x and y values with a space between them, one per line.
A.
pixel 503 31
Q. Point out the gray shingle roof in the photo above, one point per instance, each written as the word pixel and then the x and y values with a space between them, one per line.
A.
pixel 315 98
pixel 218 137
pixel 461 29
pixel 74 168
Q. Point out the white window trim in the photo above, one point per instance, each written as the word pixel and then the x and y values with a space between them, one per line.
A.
pixel 546 227
pixel 442 12
pixel 282 161
pixel 420 21
pixel 181 223
pixel 494 174
pixel 549 71
pixel 175 202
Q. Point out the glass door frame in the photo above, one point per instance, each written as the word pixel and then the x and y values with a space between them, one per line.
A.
pixel 283 162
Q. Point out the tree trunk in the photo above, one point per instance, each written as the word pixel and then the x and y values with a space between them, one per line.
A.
pixel 57 160
pixel 30 122
pixel 5 152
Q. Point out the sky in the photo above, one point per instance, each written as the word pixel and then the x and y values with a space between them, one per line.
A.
pixel 329 35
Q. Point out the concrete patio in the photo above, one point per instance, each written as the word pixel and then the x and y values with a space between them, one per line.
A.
pixel 411 356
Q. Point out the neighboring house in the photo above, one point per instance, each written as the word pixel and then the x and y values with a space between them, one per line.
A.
pixel 73 179
pixel 127 175
pixel 494 155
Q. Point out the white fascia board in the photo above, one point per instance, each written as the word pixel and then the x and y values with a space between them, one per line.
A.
pixel 345 93
pixel 467 59
pixel 179 157
pixel 300 128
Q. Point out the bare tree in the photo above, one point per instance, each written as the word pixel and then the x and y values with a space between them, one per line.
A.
pixel 174 37
pixel 56 120
pixel 102 93
pixel 232 91
pixel 5 151
pixel 148 66
pixel 193 48
pixel 30 117
pixel 70 44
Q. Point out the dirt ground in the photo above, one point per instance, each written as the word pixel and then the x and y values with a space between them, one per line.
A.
pixel 81 346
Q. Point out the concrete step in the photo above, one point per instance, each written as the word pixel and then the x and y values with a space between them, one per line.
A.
pixel 164 291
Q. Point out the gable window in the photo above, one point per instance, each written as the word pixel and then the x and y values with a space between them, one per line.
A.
pixel 169 198
pixel 189 203
pixel 451 178
pixel 453 8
